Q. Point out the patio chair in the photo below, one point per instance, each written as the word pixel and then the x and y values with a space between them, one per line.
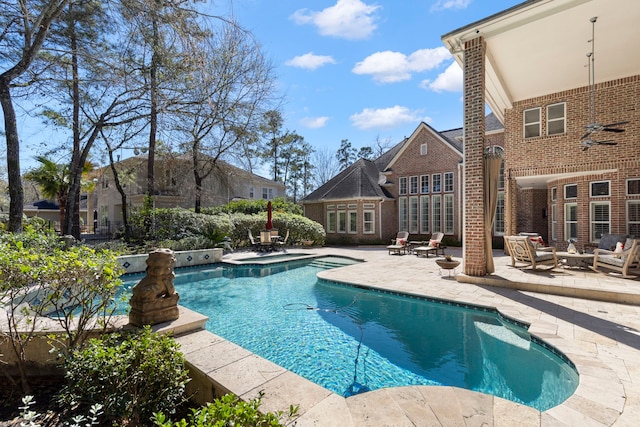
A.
pixel 282 242
pixel 254 245
pixel 622 262
pixel 435 245
pixel 399 244
pixel 523 250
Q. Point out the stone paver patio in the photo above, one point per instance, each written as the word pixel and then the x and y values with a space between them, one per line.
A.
pixel 601 337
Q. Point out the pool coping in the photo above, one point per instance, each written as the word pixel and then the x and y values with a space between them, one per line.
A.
pixel 219 367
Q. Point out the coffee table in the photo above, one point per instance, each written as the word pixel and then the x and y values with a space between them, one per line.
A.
pixel 576 259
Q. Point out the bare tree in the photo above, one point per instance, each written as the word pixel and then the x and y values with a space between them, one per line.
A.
pixel 229 86
pixel 325 165
pixel 25 27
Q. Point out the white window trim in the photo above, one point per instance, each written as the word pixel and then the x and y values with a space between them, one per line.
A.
pixel 449 214
pixel 626 186
pixel 433 180
pixel 554 222
pixel 423 149
pixel 563 119
pixel 414 215
pixel 338 222
pixel 436 215
pixel 448 174
pixel 425 208
pixel 600 182
pixel 565 191
pixel 525 124
pixel 332 225
pixel 350 222
pixel 629 203
pixel 592 222
pixel 495 225
pixel 372 221
pixel 403 221
pixel 428 183
pixel 403 180
pixel 567 234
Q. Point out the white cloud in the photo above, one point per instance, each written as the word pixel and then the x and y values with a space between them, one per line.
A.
pixel 314 122
pixel 386 118
pixel 450 80
pixel 391 67
pixel 450 4
pixel 348 19
pixel 309 61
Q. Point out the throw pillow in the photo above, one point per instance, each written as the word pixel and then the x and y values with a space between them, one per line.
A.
pixel 618 250
pixel 401 242
pixel 433 243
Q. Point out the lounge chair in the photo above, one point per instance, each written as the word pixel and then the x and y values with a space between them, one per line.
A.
pixel 435 245
pixel 523 250
pixel 622 262
pixel 399 245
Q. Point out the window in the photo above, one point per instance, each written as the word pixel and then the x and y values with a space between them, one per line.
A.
pixel 599 220
pixel 570 221
pixel 556 119
pixel 413 185
pixel 267 193
pixel 554 194
pixel 571 191
pixel 532 123
pixel 633 187
pixel 251 192
pixel 436 179
pixel 424 214
pixel 436 212
pixel 498 224
pixel 599 189
pixel 448 214
pixel 413 214
pixel 402 213
pixel 554 222
pixel 353 222
pixel 448 181
pixel 424 184
pixel 331 222
pixel 402 184
pixel 342 222
pixel 368 222
pixel 633 217
pixel 423 149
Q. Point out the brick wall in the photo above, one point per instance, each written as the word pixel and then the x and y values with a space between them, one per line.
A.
pixel 559 160
pixel 474 104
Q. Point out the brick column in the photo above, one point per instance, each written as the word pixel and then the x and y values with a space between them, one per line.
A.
pixel 474 133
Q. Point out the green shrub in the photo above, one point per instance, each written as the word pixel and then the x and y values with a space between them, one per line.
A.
pixel 39 278
pixel 132 375
pixel 227 411
pixel 250 207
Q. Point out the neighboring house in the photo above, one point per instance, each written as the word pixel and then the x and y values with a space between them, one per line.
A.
pixel 529 63
pixel 414 187
pixel 50 212
pixel 174 187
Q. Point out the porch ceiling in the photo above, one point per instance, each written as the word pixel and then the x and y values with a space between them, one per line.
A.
pixel 540 47
pixel 542 181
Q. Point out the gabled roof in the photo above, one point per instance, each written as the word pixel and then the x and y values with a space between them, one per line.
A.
pixel 358 181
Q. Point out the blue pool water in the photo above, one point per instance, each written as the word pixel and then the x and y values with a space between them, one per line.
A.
pixel 350 340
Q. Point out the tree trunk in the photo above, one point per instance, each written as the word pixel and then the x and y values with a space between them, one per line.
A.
pixel 16 193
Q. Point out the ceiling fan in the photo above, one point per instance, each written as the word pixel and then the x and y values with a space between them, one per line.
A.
pixel 594 126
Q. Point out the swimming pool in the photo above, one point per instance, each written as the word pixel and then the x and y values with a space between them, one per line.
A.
pixel 351 340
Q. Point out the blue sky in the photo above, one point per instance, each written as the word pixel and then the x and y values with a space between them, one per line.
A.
pixel 364 69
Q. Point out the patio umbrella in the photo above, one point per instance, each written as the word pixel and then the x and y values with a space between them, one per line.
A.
pixel 492 164
pixel 269 226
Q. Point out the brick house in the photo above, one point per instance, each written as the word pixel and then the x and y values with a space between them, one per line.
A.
pixel 414 187
pixel 529 63
pixel 174 185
